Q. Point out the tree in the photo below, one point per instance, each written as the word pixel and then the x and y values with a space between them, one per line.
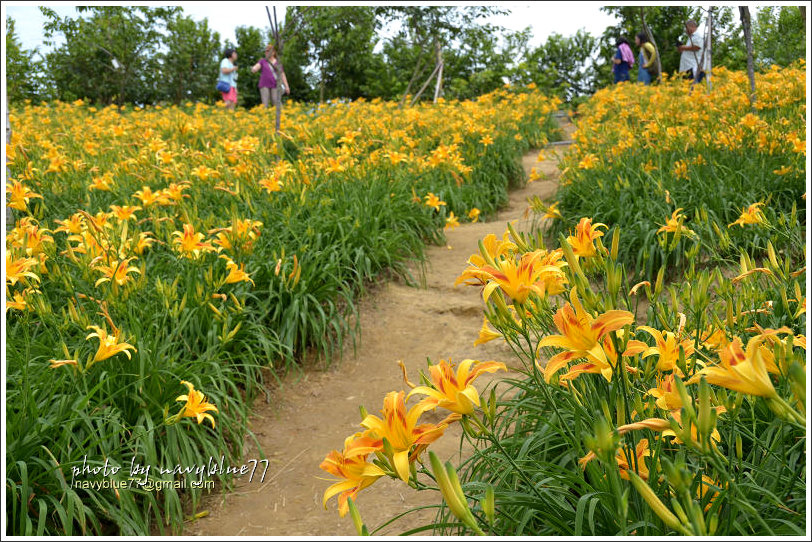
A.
pixel 748 41
pixel 779 35
pixel 250 48
pixel 563 66
pixel 426 32
pixel 191 60
pixel 110 56
pixel 22 71
pixel 336 44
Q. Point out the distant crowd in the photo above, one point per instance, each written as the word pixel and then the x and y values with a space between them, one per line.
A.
pixel 692 61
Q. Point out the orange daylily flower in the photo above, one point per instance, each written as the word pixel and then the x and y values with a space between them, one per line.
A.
pixel 455 392
pixel 537 272
pixel 20 195
pixel 581 336
pixel 740 370
pixel 117 272
pixel 666 393
pixel 622 459
pixel 667 348
pixel 583 242
pixel 352 467
pixel 400 428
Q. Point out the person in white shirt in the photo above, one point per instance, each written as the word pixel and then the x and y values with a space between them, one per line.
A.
pixel 692 61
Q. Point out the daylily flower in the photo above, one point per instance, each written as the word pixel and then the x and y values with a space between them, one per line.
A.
pixel 452 221
pixel 676 223
pixel 581 336
pixel 17 269
pixel 433 201
pixel 456 392
pixel 20 195
pixel 124 212
pixel 668 398
pixel 190 244
pixel 750 215
pixel 740 370
pixel 352 467
pixel 237 274
pixel 583 242
pixel 485 333
pixel 537 271
pixel 622 459
pixel 117 272
pixel 400 428
pixel 109 345
pixel 196 405
pixel 473 214
pixel 667 348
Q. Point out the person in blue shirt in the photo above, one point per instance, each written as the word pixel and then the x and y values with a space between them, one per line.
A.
pixel 228 74
pixel 623 60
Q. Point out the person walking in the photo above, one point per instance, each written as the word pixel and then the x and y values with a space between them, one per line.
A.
pixel 623 60
pixel 272 81
pixel 692 53
pixel 228 76
pixel 646 69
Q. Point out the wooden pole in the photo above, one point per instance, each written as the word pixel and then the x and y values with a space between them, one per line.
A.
pixel 439 86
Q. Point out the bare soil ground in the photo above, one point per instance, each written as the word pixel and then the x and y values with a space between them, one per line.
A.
pixel 312 413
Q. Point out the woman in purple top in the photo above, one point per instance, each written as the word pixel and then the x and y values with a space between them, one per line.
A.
pixel 271 76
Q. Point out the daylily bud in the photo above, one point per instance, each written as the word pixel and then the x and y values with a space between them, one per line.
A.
pixel 657 506
pixel 360 528
pixel 451 495
pixel 680 512
pixel 797 382
pixel 771 255
pixel 706 420
pixel 658 284
pixel 738 447
pixel 489 505
pixel 615 244
pixel 363 411
pixel 713 524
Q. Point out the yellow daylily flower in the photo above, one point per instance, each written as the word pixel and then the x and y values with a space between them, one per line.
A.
pixel 196 405
pixel 117 272
pixel 537 272
pixel 668 398
pixel 581 336
pixel 18 268
pixel 473 214
pixel 190 244
pixel 452 221
pixel 750 215
pixel 740 370
pixel 667 348
pixel 109 345
pixel 400 428
pixel 676 223
pixel 433 201
pixel 20 195
pixel 351 466
pixel 455 392
pixel 641 451
pixel 583 242
pixel 237 274
pixel 485 333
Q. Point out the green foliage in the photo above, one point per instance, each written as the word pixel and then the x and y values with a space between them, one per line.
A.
pixel 250 48
pixel 191 60
pixel 562 66
pixel 779 36
pixel 23 72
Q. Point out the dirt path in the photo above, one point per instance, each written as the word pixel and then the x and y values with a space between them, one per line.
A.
pixel 311 416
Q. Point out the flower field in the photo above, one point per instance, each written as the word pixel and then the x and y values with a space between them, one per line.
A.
pixel 162 257
pixel 659 332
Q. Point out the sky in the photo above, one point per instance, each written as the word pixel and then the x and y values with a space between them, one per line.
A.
pixel 543 18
